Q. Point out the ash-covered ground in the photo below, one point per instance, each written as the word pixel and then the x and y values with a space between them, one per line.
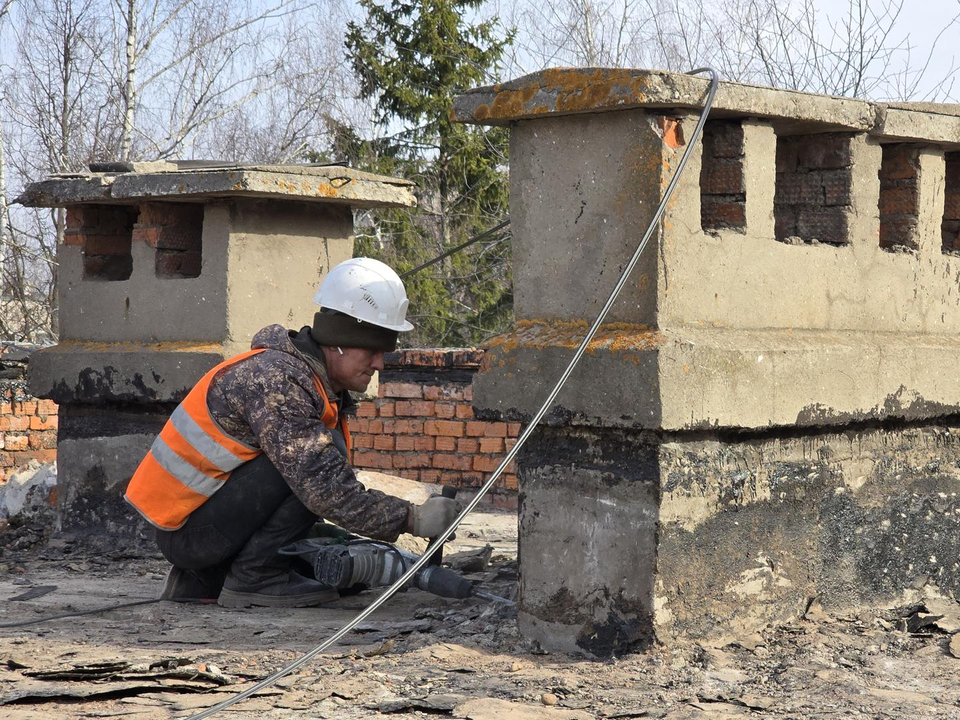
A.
pixel 425 656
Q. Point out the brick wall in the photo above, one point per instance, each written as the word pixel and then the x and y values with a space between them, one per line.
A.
pixel 951 209
pixel 899 202
pixel 105 234
pixel 723 197
pixel 28 427
pixel 812 196
pixel 422 425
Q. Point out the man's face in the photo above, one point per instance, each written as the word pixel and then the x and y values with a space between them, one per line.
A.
pixel 352 369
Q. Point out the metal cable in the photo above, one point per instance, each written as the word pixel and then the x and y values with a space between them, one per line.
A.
pixel 458 248
pixel 415 568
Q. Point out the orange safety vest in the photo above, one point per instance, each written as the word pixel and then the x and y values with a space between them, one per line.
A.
pixel 192 457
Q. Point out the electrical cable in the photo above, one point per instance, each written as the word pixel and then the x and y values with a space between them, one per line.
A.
pixel 79 613
pixel 458 248
pixel 508 458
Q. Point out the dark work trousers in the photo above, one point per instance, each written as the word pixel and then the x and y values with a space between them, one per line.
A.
pixel 250 505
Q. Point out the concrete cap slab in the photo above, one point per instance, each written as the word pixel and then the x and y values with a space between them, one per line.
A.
pixel 170 181
pixel 564 91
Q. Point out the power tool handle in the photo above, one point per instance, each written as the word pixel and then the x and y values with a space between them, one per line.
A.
pixel 437 557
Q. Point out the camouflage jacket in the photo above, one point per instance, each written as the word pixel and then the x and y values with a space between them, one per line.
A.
pixel 269 401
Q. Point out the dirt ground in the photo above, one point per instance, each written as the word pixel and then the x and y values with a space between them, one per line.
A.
pixel 425 656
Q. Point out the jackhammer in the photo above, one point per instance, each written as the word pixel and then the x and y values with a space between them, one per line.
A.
pixel 361 564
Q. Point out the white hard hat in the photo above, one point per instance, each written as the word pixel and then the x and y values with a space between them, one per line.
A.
pixel 368 290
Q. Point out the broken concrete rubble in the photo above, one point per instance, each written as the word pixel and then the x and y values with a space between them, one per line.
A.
pixel 771 413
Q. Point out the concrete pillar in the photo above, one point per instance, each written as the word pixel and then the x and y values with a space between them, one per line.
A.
pixel 165 271
pixel 770 413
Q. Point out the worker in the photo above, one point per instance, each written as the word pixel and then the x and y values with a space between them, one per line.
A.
pixel 259 450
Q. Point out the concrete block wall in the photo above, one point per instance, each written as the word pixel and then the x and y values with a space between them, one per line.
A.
pixel 422 426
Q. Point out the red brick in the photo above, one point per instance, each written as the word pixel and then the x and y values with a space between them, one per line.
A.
pixel 508 481
pixel 464 412
pixel 443 392
pixel 362 442
pixel 74 239
pixel 467 393
pixel 383 442
pixel 6 459
pixel 898 231
pixel 405 443
pixel 387 409
pixel 671 131
pixel 491 445
pixel 951 205
pixel 446 444
pixel 425 443
pixel 401 427
pixel 14 422
pixel 39 423
pixel 509 443
pixel 414 408
pixel 372 460
pixel 43 441
pixel 899 162
pixel 367 410
pixel 444 410
pixel 44 407
pixel 82 216
pixel 722 176
pixel 468 446
pixel 148 234
pixel 180 237
pixel 476 428
pixel 495 429
pixel 410 474
pixel 431 476
pixel 720 211
pixel 451 462
pixel 899 200
pixel 43 456
pixel 825 151
pixel 401 390
pixel 6 408
pixel 513 429
pixel 449 428
pixel 107 245
pixel 489 464
pixel 16 442
pixel 723 139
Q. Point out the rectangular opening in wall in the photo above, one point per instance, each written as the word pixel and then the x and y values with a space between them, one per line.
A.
pixel 950 229
pixel 899 203
pixel 811 201
pixel 104 232
pixel 175 231
pixel 723 192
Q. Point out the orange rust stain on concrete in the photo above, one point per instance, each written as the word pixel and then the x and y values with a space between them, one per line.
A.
pixel 574 90
pixel 610 338
pixel 177 346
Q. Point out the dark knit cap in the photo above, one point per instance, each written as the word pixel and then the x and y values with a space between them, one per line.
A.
pixel 333 329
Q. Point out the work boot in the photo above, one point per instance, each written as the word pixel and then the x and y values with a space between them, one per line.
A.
pixel 259 575
pixel 203 585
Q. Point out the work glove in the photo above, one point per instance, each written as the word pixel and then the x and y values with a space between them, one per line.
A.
pixel 434 516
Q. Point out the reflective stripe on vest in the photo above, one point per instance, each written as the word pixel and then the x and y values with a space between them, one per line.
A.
pixel 193 457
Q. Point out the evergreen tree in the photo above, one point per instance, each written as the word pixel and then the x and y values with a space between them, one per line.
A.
pixel 411 58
